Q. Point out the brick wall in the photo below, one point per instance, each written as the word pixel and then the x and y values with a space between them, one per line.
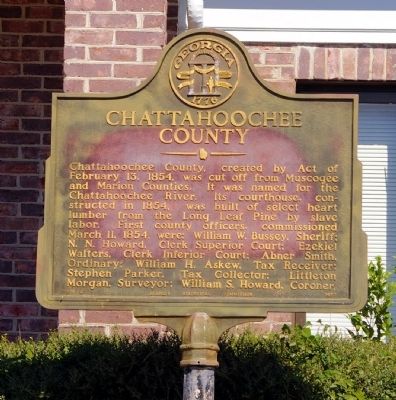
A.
pixel 172 19
pixel 342 63
pixel 31 57
pixel 110 45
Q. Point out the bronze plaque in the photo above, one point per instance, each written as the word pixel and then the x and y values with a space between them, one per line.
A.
pixel 203 190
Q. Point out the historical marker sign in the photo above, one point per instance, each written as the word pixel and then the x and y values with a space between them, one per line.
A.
pixel 203 190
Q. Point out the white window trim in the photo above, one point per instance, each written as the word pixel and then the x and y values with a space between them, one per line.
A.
pixel 304 25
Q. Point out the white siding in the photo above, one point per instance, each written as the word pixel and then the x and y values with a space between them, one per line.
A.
pixel 304 21
pixel 377 152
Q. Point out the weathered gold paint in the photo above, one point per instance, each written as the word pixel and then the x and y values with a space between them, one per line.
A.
pixel 199 133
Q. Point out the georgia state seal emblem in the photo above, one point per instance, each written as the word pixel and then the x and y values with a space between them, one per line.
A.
pixel 204 73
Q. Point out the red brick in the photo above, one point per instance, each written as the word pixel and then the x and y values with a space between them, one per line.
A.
pixel 8 195
pixel 9 124
pixel 69 316
pixel 11 252
pixel 349 63
pixel 363 64
pixel 262 327
pixel 133 70
pixel 22 26
pixel 288 73
pixel 8 237
pixel 170 36
pixel 379 65
pixel 172 9
pixel 45 312
pixel 92 329
pixel 7 181
pixel 304 64
pixel 8 281
pixel 137 331
pixel 42 69
pixel 89 5
pixel 5 267
pixel 73 85
pixel 91 37
pixel 42 41
pixel 154 21
pixel 74 52
pixel 37 325
pixel 255 56
pixel 19 55
pixel 282 86
pixel 20 2
pixel 111 85
pixel 140 38
pixel 25 295
pixel 57 27
pixel 9 40
pixel 151 54
pixel 141 5
pixel 31 210
pixel 24 336
pixel 112 54
pixel 109 317
pixel 12 110
pixel 8 152
pixel 25 266
pixel 75 20
pixel 87 70
pixel 280 317
pixel 55 83
pixel 334 63
pixel 8 96
pixel 268 72
pixel 19 138
pixel 18 82
pixel 19 223
pixel 5 294
pixel 279 58
pixel 10 69
pixel 171 25
pixel 8 209
pixel 18 167
pixel 34 153
pixel 5 325
pixel 55 55
pixel 10 12
pixel 113 21
pixel 18 310
pixel 46 139
pixel 391 64
pixel 31 182
pixel 45 12
pixel 36 96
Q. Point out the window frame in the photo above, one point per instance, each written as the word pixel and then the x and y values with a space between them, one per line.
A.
pixel 305 21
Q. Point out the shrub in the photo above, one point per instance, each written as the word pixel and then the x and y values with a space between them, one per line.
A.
pixel 293 365
pixel 299 365
pixel 374 320
pixel 87 366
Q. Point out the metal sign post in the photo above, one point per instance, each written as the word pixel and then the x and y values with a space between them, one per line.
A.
pixel 199 349
pixel 199 357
